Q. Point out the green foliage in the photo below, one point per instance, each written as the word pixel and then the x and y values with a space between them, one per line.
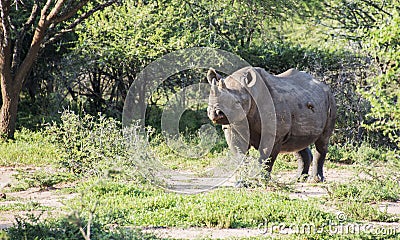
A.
pixel 189 122
pixel 98 146
pixel 364 153
pixel 4 235
pixel 383 90
pixel 27 206
pixel 353 19
pixel 153 117
pixel 29 148
pixel 32 227
pixel 362 211
pixel 43 179
pixel 89 144
pixel 367 191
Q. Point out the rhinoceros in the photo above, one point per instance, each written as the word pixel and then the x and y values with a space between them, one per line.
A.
pixel 283 113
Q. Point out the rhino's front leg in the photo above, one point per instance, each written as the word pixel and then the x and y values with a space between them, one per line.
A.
pixel 237 145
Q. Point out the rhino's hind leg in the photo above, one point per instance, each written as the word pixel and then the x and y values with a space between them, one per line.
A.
pixel 317 174
pixel 303 161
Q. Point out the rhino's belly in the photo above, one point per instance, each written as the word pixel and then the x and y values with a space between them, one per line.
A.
pixel 297 143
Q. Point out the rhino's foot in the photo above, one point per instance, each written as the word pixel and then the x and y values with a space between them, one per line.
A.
pixel 315 179
pixel 302 178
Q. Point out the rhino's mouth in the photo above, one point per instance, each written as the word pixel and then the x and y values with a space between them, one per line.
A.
pixel 220 119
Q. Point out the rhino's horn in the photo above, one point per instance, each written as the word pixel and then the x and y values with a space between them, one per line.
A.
pixel 214 90
pixel 214 82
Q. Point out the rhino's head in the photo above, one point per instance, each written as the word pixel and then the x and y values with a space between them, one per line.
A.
pixel 229 101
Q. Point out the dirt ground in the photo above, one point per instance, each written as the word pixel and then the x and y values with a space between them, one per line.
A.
pixel 46 198
pixel 53 198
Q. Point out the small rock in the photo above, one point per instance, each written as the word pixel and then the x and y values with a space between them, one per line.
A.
pixel 3 196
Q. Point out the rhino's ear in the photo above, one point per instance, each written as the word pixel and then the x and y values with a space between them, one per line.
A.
pixel 212 74
pixel 250 78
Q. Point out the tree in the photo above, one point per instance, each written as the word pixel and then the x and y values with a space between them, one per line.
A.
pixel 374 26
pixel 117 43
pixel 42 24
pixel 383 91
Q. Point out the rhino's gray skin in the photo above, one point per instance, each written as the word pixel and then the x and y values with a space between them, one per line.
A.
pixel 305 114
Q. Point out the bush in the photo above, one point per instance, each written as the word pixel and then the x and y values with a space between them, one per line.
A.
pixel 365 153
pixel 96 146
pixel 383 91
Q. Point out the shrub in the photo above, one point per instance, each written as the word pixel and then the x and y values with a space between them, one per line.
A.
pixel 96 145
pixel 383 91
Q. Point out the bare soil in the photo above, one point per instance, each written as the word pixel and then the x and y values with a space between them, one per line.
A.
pixel 51 198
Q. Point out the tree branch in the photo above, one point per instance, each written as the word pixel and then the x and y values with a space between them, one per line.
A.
pixel 45 8
pixel 56 9
pixel 5 24
pixel 70 13
pixel 21 35
pixel 30 57
pixel 5 44
pixel 376 7
pixel 77 21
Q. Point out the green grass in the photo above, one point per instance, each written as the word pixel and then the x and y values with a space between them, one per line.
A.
pixel 28 148
pixel 33 227
pixel 129 204
pixel 366 191
pixel 365 153
pixel 120 202
pixel 28 206
pixel 43 179
pixel 359 211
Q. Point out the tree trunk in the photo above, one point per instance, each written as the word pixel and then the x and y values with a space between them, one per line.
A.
pixel 12 71
pixel 8 113
pixel 10 89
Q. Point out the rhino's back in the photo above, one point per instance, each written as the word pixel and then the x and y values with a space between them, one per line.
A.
pixel 302 100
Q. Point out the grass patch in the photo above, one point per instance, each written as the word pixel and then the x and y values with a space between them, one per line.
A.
pixel 127 204
pixel 374 182
pixel 285 162
pixel 366 191
pixel 28 206
pixel 365 212
pixel 28 148
pixel 43 179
